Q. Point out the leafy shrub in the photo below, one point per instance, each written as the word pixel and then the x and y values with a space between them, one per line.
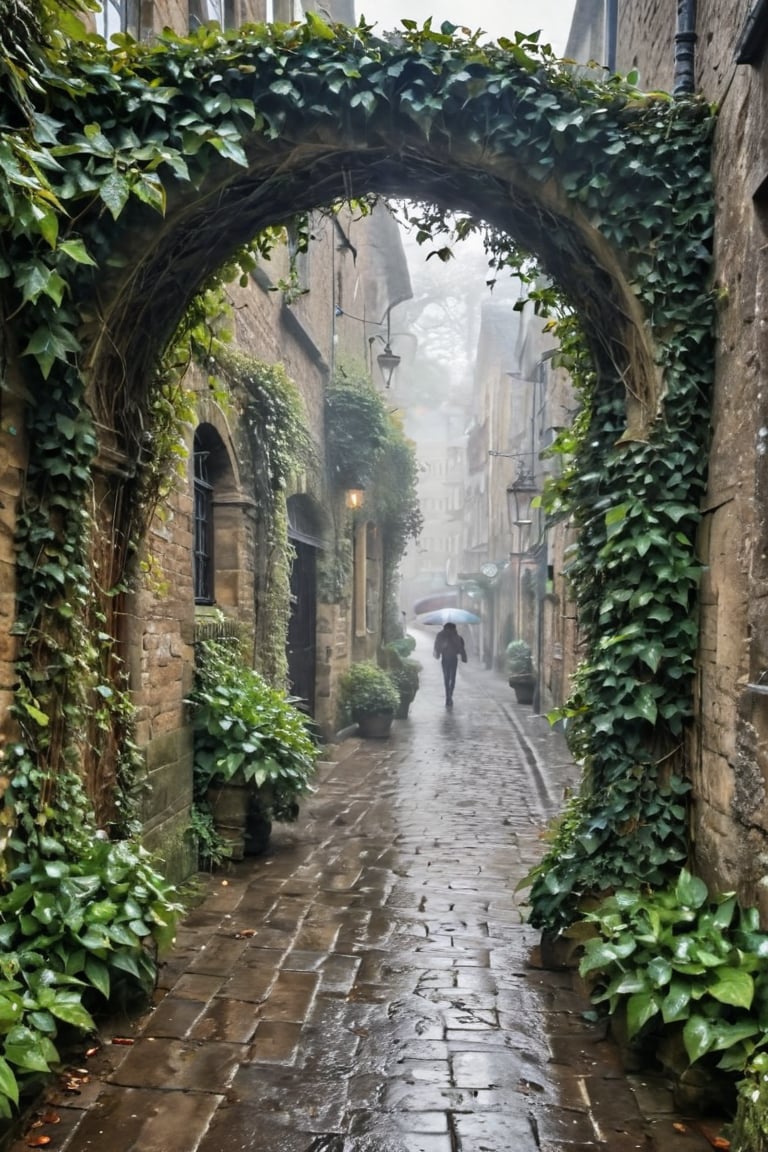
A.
pixel 367 688
pixel 404 671
pixel 628 833
pixel 356 428
pixel 677 958
pixel 70 931
pixel 402 645
pixel 246 730
pixel 518 658
pixel 406 677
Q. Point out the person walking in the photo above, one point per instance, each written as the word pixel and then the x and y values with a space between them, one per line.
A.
pixel 449 648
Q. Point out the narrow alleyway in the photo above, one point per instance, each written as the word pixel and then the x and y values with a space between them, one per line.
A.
pixel 370 986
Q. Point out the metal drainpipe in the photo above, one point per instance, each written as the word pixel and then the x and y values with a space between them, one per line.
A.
pixel 611 21
pixel 685 50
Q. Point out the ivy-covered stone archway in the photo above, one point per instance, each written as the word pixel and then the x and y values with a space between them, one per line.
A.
pixel 576 174
pixel 133 176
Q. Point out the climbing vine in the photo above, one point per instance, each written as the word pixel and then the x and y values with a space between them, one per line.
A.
pixel 366 448
pixel 396 509
pixel 280 448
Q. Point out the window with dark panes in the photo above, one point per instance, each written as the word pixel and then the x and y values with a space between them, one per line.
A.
pixel 203 527
pixel 754 36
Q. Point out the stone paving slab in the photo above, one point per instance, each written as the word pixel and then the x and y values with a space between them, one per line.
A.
pixel 371 984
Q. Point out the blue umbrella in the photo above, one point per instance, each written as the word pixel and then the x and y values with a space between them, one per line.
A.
pixel 450 616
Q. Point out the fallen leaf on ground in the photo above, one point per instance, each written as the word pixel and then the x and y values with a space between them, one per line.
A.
pixel 679 1127
pixel 50 1118
pixel 245 932
pixel 122 1040
pixel 37 1141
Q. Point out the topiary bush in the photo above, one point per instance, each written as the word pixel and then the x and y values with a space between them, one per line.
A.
pixel 366 689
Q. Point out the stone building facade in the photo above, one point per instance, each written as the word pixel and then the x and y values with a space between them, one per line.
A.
pixel 729 753
pixel 353 272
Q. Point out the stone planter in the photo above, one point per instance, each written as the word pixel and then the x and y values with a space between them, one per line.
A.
pixel 229 804
pixel 240 816
pixel 525 687
pixel 401 712
pixel 258 826
pixel 375 725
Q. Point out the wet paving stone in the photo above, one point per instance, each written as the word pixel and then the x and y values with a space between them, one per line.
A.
pixel 174 1017
pixel 182 1065
pixel 498 1132
pixel 370 984
pixel 124 1119
pixel 275 1042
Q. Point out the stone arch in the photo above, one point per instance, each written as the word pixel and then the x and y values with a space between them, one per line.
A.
pixel 404 134
pixel 141 308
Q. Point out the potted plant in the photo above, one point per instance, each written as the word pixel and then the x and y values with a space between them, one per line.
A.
pixel 370 698
pixel 254 755
pixel 520 673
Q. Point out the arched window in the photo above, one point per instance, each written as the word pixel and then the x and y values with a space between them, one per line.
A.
pixel 203 533
pixel 217 521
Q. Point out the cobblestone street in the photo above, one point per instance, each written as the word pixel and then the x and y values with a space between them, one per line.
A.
pixel 370 985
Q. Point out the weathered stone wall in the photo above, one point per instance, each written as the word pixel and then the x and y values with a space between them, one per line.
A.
pixel 730 752
pixel 160 629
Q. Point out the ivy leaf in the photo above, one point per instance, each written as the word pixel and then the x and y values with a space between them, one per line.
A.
pixel 676 1004
pixel 641 1008
pixel 74 1014
pixel 698 1037
pixel 319 27
pixel 651 654
pixel 33 279
pixel 45 129
pixel 614 518
pixel 8 1085
pixel 690 891
pixel 35 714
pixel 230 150
pixel 284 88
pixel 98 974
pixel 733 986
pixel 76 251
pixel 150 190
pixel 114 192
pixel 48 223
pixel 644 705
pixel 366 99
pixel 97 141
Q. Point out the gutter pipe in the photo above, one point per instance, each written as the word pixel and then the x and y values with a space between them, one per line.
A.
pixel 611 22
pixel 685 48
